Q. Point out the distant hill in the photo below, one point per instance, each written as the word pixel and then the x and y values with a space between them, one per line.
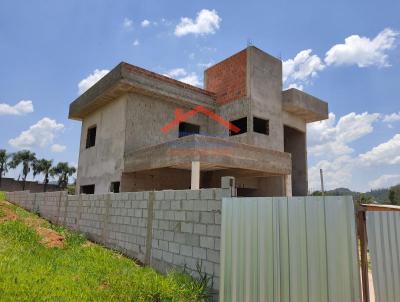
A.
pixel 378 195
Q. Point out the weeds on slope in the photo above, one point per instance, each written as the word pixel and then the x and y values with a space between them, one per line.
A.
pixel 77 271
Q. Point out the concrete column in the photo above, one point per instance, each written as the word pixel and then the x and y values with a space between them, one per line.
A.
pixel 195 184
pixel 288 184
pixel 228 186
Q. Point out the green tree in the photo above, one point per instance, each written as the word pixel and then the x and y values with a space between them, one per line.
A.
pixel 4 156
pixel 42 166
pixel 392 196
pixel 364 198
pixel 26 158
pixel 63 171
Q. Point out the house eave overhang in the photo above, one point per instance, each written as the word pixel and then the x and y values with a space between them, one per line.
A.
pixel 212 152
pixel 303 105
pixel 126 78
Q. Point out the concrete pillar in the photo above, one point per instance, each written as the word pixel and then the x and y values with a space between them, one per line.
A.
pixel 228 185
pixel 195 183
pixel 288 184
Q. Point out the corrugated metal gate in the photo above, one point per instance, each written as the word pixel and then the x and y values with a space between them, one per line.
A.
pixel 383 229
pixel 289 249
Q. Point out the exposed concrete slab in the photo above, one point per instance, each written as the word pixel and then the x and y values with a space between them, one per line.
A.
pixel 308 107
pixel 213 153
pixel 125 78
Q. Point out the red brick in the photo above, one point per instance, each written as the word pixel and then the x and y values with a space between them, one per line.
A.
pixel 227 79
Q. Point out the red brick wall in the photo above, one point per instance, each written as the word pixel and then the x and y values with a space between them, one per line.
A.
pixel 228 78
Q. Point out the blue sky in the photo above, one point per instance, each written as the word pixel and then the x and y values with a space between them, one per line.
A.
pixel 344 52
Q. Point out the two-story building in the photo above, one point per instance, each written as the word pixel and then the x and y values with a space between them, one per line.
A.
pixel 144 131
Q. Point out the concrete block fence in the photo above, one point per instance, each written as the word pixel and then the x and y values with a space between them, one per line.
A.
pixel 164 229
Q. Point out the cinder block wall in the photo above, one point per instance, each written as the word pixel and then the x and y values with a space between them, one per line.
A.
pixel 165 229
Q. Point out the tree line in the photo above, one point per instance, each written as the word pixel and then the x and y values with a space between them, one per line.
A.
pixel 62 171
pixel 389 195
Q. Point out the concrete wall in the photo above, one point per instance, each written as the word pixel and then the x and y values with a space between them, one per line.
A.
pixel 265 92
pixel 159 179
pixel 166 229
pixel 232 111
pixel 10 185
pixel 103 163
pixel 250 186
pixel 296 145
pixel 146 115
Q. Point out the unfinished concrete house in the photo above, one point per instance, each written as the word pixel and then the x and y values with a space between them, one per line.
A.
pixel 144 131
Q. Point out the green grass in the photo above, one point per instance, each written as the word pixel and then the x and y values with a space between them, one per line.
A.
pixel 30 271
pixel 2 195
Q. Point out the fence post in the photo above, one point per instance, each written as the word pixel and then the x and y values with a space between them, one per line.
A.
pixel 66 203
pixel 79 212
pixel 362 234
pixel 57 218
pixel 228 186
pixel 35 208
pixel 106 219
pixel 149 235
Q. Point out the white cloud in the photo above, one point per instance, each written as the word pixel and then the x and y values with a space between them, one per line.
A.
pixel 329 146
pixel 57 148
pixel 40 134
pixel 136 42
pixel 91 79
pixel 296 86
pixel 302 67
pixel 182 75
pixel 21 108
pixel 207 22
pixel 205 65
pixel 337 173
pixel 385 153
pixel 191 79
pixel 176 72
pixel 329 139
pixel 166 22
pixel 363 51
pixel 145 23
pixel 128 23
pixel 385 181
pixel 394 117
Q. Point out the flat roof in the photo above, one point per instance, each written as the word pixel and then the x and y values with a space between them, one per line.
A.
pixel 125 78
pixel 304 105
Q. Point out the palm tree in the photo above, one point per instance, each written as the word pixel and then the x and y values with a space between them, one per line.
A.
pixel 62 171
pixel 26 158
pixel 4 156
pixel 42 166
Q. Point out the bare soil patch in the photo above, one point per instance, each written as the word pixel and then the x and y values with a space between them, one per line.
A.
pixel 50 238
pixel 8 214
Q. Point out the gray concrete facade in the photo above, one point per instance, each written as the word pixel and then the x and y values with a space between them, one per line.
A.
pixel 130 106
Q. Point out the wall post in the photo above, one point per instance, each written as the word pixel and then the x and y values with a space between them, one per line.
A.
pixel 228 185
pixel 149 234
pixel 362 234
pixel 195 175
